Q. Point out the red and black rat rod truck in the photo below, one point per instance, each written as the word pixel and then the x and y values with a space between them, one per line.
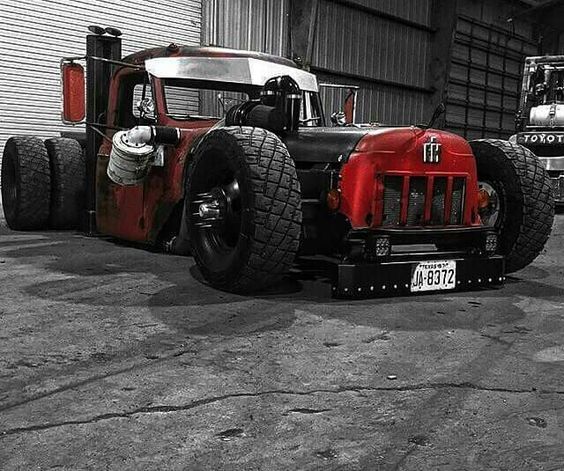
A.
pixel 249 188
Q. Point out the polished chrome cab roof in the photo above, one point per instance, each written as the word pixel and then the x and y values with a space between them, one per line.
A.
pixel 249 71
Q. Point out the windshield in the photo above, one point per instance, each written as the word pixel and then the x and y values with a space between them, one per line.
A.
pixel 311 113
pixel 189 99
pixel 546 85
pixel 195 100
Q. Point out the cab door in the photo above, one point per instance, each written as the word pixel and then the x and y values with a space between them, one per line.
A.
pixel 119 208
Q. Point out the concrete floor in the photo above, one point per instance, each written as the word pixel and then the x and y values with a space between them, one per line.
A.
pixel 113 357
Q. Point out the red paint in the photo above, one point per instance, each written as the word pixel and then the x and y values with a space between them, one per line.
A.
pixel 349 106
pixel 399 151
pixel 138 213
pixel 72 78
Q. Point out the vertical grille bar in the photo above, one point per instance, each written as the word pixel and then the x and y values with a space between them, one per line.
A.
pixel 393 187
pixel 429 200
pixel 457 206
pixel 418 200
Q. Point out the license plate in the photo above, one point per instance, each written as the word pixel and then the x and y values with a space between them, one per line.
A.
pixel 433 276
pixel 541 138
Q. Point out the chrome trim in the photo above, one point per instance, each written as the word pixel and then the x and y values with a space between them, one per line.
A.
pixel 242 70
pixel 432 151
pixel 552 163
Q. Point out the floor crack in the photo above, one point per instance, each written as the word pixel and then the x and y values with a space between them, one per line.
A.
pixel 211 400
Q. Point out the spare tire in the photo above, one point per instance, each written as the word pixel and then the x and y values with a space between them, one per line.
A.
pixel 26 183
pixel 519 199
pixel 68 182
pixel 243 208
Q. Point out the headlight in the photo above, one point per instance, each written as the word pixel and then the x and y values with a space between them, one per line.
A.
pixel 382 246
pixel 491 244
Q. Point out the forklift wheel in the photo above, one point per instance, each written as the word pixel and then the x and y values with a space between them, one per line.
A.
pixel 243 208
pixel 68 182
pixel 519 196
pixel 26 183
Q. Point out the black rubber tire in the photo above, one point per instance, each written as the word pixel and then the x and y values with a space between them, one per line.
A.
pixel 526 200
pixel 270 209
pixel 68 182
pixel 26 183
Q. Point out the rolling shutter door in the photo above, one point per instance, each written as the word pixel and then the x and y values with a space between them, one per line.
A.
pixel 35 34
pixel 485 79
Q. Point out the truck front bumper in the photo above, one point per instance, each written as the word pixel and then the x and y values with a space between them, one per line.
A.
pixel 465 254
pixel 394 278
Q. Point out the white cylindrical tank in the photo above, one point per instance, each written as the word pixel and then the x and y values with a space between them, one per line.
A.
pixel 547 115
pixel 130 158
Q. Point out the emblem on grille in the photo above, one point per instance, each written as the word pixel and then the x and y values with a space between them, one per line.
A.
pixel 432 151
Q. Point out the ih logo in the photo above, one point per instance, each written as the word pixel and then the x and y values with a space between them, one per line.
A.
pixel 432 151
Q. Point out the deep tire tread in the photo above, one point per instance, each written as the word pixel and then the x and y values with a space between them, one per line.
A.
pixel 33 176
pixel 68 182
pixel 276 213
pixel 533 206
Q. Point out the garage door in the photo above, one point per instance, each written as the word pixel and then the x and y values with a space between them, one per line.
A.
pixel 34 34
pixel 485 79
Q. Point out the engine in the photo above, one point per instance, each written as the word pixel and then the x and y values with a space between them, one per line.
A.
pixel 277 110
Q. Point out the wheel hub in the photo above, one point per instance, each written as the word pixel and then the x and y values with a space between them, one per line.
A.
pixel 489 204
pixel 210 210
pixel 218 211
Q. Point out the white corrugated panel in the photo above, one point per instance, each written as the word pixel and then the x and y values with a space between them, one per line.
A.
pixel 35 34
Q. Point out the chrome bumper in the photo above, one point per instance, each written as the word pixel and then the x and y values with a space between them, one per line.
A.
pixel 553 164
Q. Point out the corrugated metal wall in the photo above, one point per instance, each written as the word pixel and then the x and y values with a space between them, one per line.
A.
pixel 354 45
pixel 413 10
pixel 35 34
pixel 385 55
pixel 256 25
pixel 486 67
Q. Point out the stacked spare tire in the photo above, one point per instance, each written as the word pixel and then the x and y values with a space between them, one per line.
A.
pixel 43 183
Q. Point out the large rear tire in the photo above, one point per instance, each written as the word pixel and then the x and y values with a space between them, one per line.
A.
pixel 68 182
pixel 243 207
pixel 522 195
pixel 26 183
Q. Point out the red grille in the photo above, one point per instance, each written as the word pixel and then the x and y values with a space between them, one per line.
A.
pixel 423 200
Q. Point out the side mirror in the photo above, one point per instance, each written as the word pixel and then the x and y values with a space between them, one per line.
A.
pixel 541 89
pixel 338 118
pixel 72 82
pixel 146 108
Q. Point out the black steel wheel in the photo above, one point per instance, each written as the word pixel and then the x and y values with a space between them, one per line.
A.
pixel 68 182
pixel 515 197
pixel 26 183
pixel 243 208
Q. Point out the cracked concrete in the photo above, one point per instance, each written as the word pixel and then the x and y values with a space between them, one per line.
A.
pixel 116 358
pixel 211 400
